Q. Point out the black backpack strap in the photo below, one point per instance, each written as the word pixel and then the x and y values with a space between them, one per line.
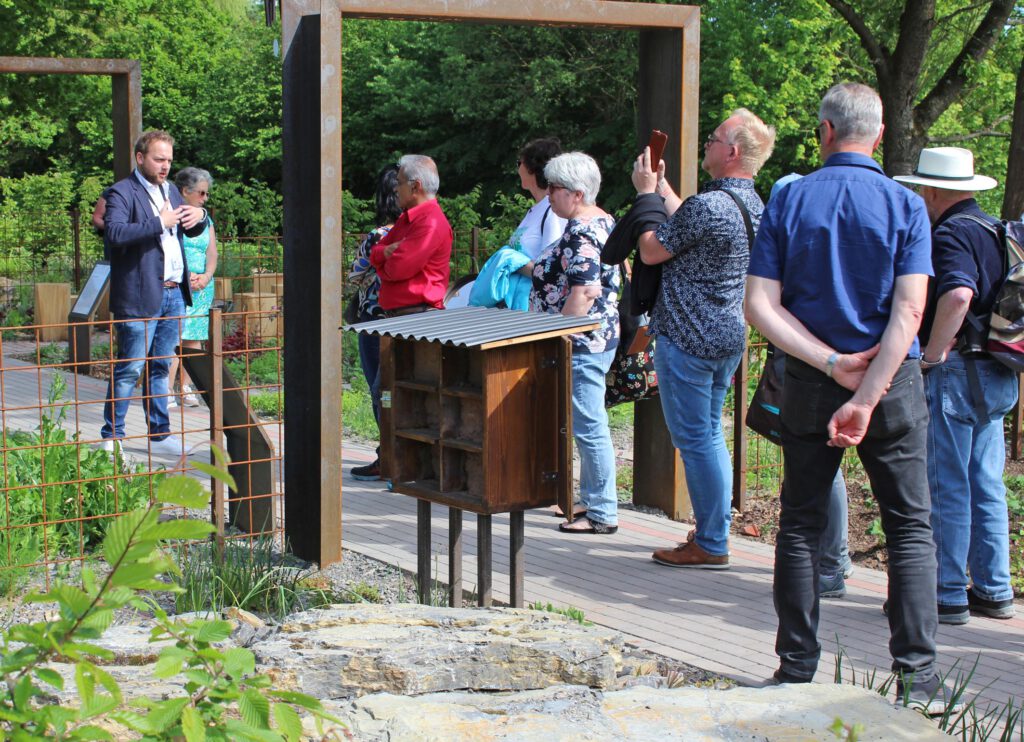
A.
pixel 543 221
pixel 746 215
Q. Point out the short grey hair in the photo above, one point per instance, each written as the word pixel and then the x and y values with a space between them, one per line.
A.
pixel 576 171
pixel 754 139
pixel 854 110
pixel 421 169
pixel 190 177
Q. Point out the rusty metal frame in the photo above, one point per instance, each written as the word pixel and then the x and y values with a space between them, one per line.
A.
pixel 126 95
pixel 312 165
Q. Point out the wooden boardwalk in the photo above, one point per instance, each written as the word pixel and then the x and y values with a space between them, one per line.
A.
pixel 721 621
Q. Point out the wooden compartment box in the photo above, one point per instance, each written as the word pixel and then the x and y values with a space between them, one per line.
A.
pixel 483 428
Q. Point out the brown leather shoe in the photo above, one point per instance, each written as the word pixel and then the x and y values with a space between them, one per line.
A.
pixel 690 555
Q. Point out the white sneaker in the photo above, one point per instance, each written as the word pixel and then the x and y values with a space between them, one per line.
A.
pixel 108 445
pixel 172 401
pixel 169 446
pixel 188 396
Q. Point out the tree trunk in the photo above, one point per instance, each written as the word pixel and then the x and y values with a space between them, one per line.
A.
pixel 901 141
pixel 1013 197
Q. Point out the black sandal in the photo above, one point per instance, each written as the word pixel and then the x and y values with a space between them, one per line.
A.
pixel 592 526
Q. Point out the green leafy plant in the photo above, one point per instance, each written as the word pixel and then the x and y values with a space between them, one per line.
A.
pixel 876 530
pixel 362 592
pixel 61 493
pixel 1015 509
pixel 846 732
pixel 569 612
pixel 267 404
pixel 224 698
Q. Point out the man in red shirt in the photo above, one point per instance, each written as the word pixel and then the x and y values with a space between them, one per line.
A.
pixel 413 258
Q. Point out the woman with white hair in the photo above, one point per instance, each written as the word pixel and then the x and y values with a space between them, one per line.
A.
pixel 200 245
pixel 569 279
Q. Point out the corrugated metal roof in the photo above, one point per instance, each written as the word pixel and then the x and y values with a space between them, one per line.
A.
pixel 474 326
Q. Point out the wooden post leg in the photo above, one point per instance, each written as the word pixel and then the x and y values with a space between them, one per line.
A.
pixel 483 560
pixel 423 551
pixel 454 557
pixel 517 560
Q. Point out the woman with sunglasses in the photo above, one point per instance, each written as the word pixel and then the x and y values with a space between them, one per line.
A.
pixel 570 279
pixel 200 244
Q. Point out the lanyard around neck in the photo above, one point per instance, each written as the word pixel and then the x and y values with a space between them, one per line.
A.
pixel 159 209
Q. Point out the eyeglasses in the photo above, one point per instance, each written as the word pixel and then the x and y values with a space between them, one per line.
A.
pixel 712 139
pixel 556 187
pixel 817 130
pixel 204 194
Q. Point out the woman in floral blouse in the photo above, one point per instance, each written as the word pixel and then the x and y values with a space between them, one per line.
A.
pixel 569 279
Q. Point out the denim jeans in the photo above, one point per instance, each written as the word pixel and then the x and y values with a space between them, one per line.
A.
pixel 834 552
pixel 965 474
pixel 369 360
pixel 893 453
pixel 139 345
pixel 692 392
pixel 592 436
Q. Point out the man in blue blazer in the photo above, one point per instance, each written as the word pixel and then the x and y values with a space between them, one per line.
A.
pixel 149 287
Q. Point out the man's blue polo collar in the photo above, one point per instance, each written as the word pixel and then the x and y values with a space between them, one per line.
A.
pixel 839 159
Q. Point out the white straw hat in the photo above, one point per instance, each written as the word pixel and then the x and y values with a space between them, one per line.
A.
pixel 951 168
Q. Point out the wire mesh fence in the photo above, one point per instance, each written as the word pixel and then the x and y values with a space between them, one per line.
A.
pixel 59 488
pixel 62 480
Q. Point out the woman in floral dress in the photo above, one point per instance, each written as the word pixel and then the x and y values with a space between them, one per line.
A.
pixel 201 256
pixel 569 279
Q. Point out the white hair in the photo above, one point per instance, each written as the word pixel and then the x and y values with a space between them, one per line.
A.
pixel 576 171
pixel 421 169
pixel 854 110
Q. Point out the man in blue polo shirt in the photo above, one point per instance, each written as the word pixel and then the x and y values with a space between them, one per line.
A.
pixel 968 395
pixel 838 279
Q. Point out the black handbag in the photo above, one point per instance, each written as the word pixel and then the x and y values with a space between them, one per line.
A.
pixel 763 412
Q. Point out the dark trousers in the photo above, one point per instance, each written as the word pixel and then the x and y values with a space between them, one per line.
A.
pixel 894 456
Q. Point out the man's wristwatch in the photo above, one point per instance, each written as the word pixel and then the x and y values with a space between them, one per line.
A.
pixel 926 364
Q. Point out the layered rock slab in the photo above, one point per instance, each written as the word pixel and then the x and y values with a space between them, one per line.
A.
pixel 564 714
pixel 409 650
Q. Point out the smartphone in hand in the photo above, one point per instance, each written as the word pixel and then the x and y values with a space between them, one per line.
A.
pixel 657 144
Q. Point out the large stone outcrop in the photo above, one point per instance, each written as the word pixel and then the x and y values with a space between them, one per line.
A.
pixel 400 673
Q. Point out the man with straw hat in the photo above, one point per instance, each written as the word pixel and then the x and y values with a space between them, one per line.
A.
pixel 968 395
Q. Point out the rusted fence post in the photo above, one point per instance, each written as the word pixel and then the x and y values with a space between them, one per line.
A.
pixel 76 240
pixel 474 249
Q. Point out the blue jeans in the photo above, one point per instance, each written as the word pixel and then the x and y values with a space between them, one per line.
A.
pixel 834 553
pixel 139 345
pixel 592 436
pixel 965 476
pixel 692 392
pixel 369 360
pixel 893 452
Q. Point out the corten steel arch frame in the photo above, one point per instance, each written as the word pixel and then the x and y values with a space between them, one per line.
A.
pixel 312 163
pixel 126 95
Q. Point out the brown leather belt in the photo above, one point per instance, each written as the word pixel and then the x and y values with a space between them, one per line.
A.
pixel 171 284
pixel 414 309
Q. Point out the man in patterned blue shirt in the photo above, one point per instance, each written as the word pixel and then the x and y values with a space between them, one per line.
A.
pixel 838 278
pixel 704 248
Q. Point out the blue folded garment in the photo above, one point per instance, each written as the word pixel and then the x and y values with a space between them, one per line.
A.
pixel 499 281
